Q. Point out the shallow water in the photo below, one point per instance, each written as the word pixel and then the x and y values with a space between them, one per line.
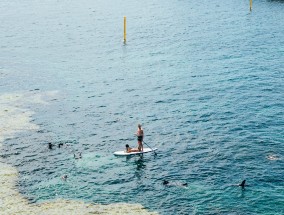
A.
pixel 204 78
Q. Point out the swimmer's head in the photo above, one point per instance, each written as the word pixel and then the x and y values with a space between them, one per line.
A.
pixel 64 177
pixel 165 182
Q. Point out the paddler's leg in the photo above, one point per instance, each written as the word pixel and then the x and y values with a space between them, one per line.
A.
pixel 140 146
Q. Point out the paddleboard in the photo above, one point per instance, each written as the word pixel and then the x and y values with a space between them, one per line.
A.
pixel 123 153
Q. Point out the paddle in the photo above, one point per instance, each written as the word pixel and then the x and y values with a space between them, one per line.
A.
pixel 150 148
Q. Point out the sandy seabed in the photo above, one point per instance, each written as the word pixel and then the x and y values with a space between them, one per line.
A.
pixel 16 118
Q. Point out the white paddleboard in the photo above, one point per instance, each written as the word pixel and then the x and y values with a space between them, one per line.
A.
pixel 123 153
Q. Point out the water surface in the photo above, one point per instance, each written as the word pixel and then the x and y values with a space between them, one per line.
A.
pixel 205 79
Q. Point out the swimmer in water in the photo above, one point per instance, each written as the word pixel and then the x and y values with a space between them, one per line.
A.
pixel 64 177
pixel 79 156
pixel 243 184
pixel 272 157
pixel 167 183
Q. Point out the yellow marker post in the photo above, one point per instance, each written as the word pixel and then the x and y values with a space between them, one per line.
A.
pixel 124 35
pixel 250 5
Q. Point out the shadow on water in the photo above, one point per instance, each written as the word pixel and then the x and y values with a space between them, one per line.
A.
pixel 140 163
pixel 139 166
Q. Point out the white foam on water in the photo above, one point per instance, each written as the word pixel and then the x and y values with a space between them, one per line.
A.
pixel 16 118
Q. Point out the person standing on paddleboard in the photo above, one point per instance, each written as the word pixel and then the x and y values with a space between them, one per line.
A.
pixel 140 135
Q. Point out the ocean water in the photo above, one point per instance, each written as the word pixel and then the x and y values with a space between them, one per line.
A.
pixel 205 79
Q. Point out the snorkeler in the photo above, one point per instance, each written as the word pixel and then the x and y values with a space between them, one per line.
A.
pixel 243 184
pixel 64 177
pixel 167 183
pixel 79 156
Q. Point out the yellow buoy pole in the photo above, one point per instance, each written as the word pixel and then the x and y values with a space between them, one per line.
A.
pixel 250 5
pixel 124 32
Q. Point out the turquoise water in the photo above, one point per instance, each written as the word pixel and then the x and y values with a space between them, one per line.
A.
pixel 205 79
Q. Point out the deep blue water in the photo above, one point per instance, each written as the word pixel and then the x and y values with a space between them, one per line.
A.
pixel 205 79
